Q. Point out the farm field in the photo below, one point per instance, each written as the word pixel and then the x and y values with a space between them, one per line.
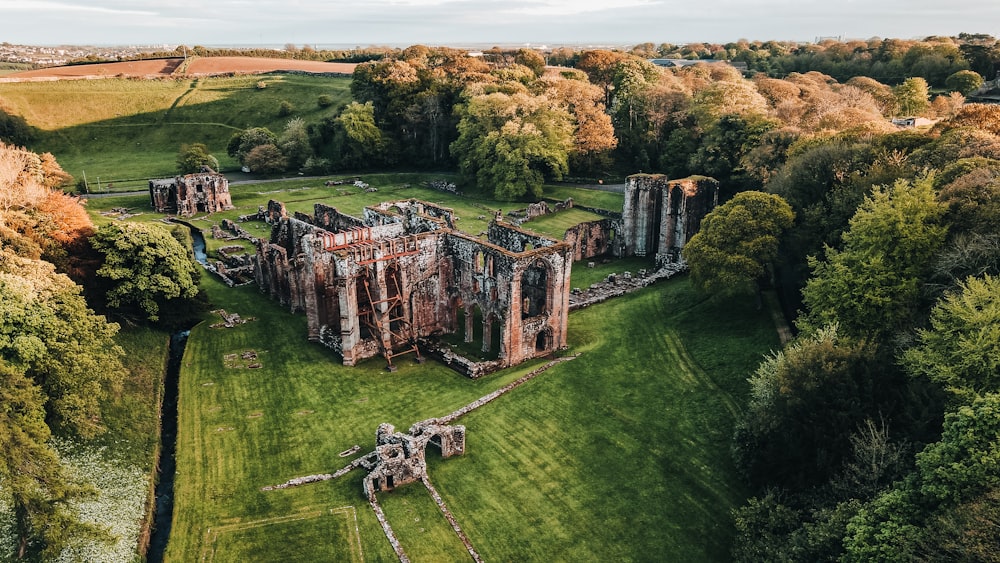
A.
pixel 179 67
pixel 125 131
pixel 619 454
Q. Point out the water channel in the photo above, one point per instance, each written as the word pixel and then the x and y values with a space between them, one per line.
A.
pixel 164 491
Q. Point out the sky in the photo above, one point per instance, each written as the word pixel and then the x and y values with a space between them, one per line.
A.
pixel 326 23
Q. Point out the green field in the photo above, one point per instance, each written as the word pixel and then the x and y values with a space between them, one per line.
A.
pixel 621 454
pixel 124 131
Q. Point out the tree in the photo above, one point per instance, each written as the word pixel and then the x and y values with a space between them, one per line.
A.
pixel 30 471
pixel 358 138
pixel 961 349
pixel 872 286
pixel 963 466
pixel 731 251
pixel 265 159
pixel 509 144
pixel 192 157
pixel 806 401
pixel 964 81
pixel 240 144
pixel 294 143
pixel 285 108
pixel 912 96
pixel 48 330
pixel 531 59
pixel 145 270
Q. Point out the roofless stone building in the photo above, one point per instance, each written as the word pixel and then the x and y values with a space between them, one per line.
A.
pixel 378 284
pixel 203 192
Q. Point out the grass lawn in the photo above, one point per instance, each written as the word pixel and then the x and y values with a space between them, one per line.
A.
pixel 124 131
pixel 620 454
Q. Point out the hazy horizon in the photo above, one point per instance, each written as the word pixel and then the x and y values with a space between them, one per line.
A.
pixel 487 22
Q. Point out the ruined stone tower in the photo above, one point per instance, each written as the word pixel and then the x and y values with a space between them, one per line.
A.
pixel 660 215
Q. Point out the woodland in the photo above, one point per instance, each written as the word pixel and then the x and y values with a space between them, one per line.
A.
pixel 873 434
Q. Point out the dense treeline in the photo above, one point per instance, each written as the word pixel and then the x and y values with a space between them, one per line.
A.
pixel 59 363
pixel 873 435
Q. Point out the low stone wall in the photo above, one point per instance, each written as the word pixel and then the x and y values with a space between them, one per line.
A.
pixel 616 286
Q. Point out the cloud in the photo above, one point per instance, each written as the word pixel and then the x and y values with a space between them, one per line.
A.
pixel 61 7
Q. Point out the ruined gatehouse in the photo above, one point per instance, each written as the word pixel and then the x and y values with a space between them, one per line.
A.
pixel 402 273
pixel 203 192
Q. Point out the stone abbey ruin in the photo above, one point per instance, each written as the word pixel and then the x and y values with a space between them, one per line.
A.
pixel 203 192
pixel 392 281
pixel 379 284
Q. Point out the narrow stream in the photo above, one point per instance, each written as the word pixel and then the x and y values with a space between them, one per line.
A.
pixel 164 492
pixel 168 439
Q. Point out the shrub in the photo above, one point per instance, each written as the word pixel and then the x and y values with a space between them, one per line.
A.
pixel 285 108
pixel 324 101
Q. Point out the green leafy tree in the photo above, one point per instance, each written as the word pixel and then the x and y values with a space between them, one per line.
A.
pixel 145 270
pixel 900 524
pixel 48 330
pixel 912 96
pixel 294 143
pixel 285 108
pixel 37 484
pixel 806 401
pixel 193 157
pixel 964 81
pixel 872 286
pixel 961 349
pixel 508 145
pixel 731 251
pixel 240 144
pixel 358 138
pixel 57 361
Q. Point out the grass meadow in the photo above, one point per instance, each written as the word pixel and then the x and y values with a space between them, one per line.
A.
pixel 621 454
pixel 125 131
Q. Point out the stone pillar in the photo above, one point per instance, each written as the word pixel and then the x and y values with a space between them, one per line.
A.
pixel 350 331
pixel 469 323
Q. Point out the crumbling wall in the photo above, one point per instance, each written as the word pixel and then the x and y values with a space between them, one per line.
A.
pixel 203 192
pixel 660 215
pixel 593 238
pixel 401 274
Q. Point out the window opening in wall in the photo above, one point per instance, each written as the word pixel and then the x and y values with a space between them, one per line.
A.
pixel 534 290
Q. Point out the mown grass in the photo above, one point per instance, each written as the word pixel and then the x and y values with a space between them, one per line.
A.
pixel 620 454
pixel 555 224
pixel 124 131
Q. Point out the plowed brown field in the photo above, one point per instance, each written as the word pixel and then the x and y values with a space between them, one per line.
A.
pixel 200 66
